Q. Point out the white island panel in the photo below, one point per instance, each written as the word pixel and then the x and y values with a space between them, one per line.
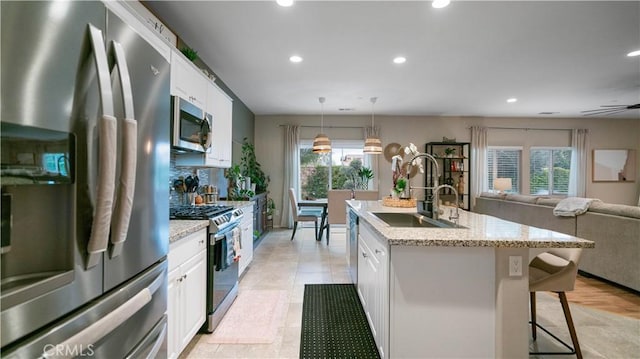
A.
pixel 442 302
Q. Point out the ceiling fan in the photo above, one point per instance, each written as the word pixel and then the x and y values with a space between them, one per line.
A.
pixel 610 109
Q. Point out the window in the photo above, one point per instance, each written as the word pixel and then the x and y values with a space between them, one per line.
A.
pixel 339 167
pixel 504 162
pixel 549 170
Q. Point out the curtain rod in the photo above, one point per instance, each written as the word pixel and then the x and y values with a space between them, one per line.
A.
pixel 310 126
pixel 526 128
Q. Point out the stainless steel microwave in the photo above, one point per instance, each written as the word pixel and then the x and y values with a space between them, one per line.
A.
pixel 191 126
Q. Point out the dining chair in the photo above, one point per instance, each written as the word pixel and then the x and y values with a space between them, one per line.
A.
pixel 555 271
pixel 302 215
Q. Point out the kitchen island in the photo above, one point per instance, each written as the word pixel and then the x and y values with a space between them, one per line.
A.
pixel 448 292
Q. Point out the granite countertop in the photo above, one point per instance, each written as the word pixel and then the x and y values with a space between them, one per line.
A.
pixel 481 231
pixel 180 228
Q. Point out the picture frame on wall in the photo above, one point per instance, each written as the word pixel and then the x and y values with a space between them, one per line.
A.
pixel 614 165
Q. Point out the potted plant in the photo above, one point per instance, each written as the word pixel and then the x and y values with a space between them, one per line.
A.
pixel 251 167
pixel 365 174
pixel 271 208
pixel 234 175
pixel 450 151
pixel 190 53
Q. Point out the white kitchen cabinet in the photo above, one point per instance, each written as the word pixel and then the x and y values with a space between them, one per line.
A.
pixel 221 107
pixel 373 285
pixel 186 307
pixel 187 81
pixel 246 225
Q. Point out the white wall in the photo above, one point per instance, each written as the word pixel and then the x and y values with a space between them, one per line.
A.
pixel 604 133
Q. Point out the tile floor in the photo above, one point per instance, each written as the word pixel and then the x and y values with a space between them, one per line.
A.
pixel 285 265
pixel 279 263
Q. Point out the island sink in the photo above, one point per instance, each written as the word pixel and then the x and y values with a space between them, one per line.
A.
pixel 399 219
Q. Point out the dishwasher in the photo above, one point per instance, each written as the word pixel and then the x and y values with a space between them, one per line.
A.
pixel 353 245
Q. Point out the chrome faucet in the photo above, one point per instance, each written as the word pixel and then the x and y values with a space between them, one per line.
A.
pixel 434 207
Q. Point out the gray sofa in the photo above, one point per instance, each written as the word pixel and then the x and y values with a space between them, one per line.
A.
pixel 614 228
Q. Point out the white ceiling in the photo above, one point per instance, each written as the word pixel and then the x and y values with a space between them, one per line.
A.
pixel 463 60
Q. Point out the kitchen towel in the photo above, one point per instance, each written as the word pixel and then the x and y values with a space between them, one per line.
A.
pixel 237 243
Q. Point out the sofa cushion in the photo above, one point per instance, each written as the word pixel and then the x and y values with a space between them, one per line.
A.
pixel 615 209
pixel 493 195
pixel 548 201
pixel 522 198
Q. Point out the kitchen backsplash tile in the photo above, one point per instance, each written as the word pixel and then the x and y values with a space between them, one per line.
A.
pixel 206 176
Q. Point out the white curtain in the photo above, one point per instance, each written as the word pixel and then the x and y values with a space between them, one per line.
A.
pixel 290 177
pixel 373 159
pixel 579 154
pixel 479 181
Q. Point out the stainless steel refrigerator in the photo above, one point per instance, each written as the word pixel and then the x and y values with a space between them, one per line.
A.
pixel 85 112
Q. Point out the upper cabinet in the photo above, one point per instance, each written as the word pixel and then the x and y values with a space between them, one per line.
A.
pixel 221 107
pixel 187 81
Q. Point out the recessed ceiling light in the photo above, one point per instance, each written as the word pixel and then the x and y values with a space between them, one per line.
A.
pixel 439 4
pixel 285 3
pixel 634 53
pixel 295 59
pixel 400 60
pixel 512 100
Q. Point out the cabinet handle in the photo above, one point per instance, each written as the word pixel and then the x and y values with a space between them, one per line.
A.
pixel 364 254
pixel 184 276
pixel 378 251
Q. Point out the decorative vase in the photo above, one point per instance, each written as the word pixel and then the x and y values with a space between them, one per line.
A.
pixel 405 194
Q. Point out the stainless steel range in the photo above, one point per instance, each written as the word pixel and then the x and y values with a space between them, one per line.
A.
pixel 222 265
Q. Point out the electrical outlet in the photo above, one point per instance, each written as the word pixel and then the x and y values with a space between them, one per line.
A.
pixel 277 212
pixel 515 266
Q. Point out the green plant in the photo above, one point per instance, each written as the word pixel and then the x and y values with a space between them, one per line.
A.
pixel 365 174
pixel 271 206
pixel 235 192
pixel 251 167
pixel 190 53
pixel 400 186
pixel 234 175
pixel 450 151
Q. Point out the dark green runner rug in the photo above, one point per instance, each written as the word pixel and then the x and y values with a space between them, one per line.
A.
pixel 334 324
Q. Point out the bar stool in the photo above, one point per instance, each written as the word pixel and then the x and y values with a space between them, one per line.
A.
pixel 555 271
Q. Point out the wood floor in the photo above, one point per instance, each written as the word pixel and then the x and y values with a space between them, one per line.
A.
pixel 594 293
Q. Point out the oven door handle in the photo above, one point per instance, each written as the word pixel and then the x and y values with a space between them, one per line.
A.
pixel 220 235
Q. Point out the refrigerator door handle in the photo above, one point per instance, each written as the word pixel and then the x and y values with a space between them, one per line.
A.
pixel 107 129
pixel 127 182
pixel 101 328
pixel 153 353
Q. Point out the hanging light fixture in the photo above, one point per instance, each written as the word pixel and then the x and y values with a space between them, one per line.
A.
pixel 322 143
pixel 372 144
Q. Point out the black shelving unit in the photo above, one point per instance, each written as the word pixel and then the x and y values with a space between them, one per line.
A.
pixel 453 160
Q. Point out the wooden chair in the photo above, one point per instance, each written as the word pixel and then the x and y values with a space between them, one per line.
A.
pixel 304 215
pixel 555 271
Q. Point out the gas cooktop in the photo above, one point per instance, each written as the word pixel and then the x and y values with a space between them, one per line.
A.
pixel 198 212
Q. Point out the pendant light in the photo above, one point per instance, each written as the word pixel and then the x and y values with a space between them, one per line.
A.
pixel 322 143
pixel 372 144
